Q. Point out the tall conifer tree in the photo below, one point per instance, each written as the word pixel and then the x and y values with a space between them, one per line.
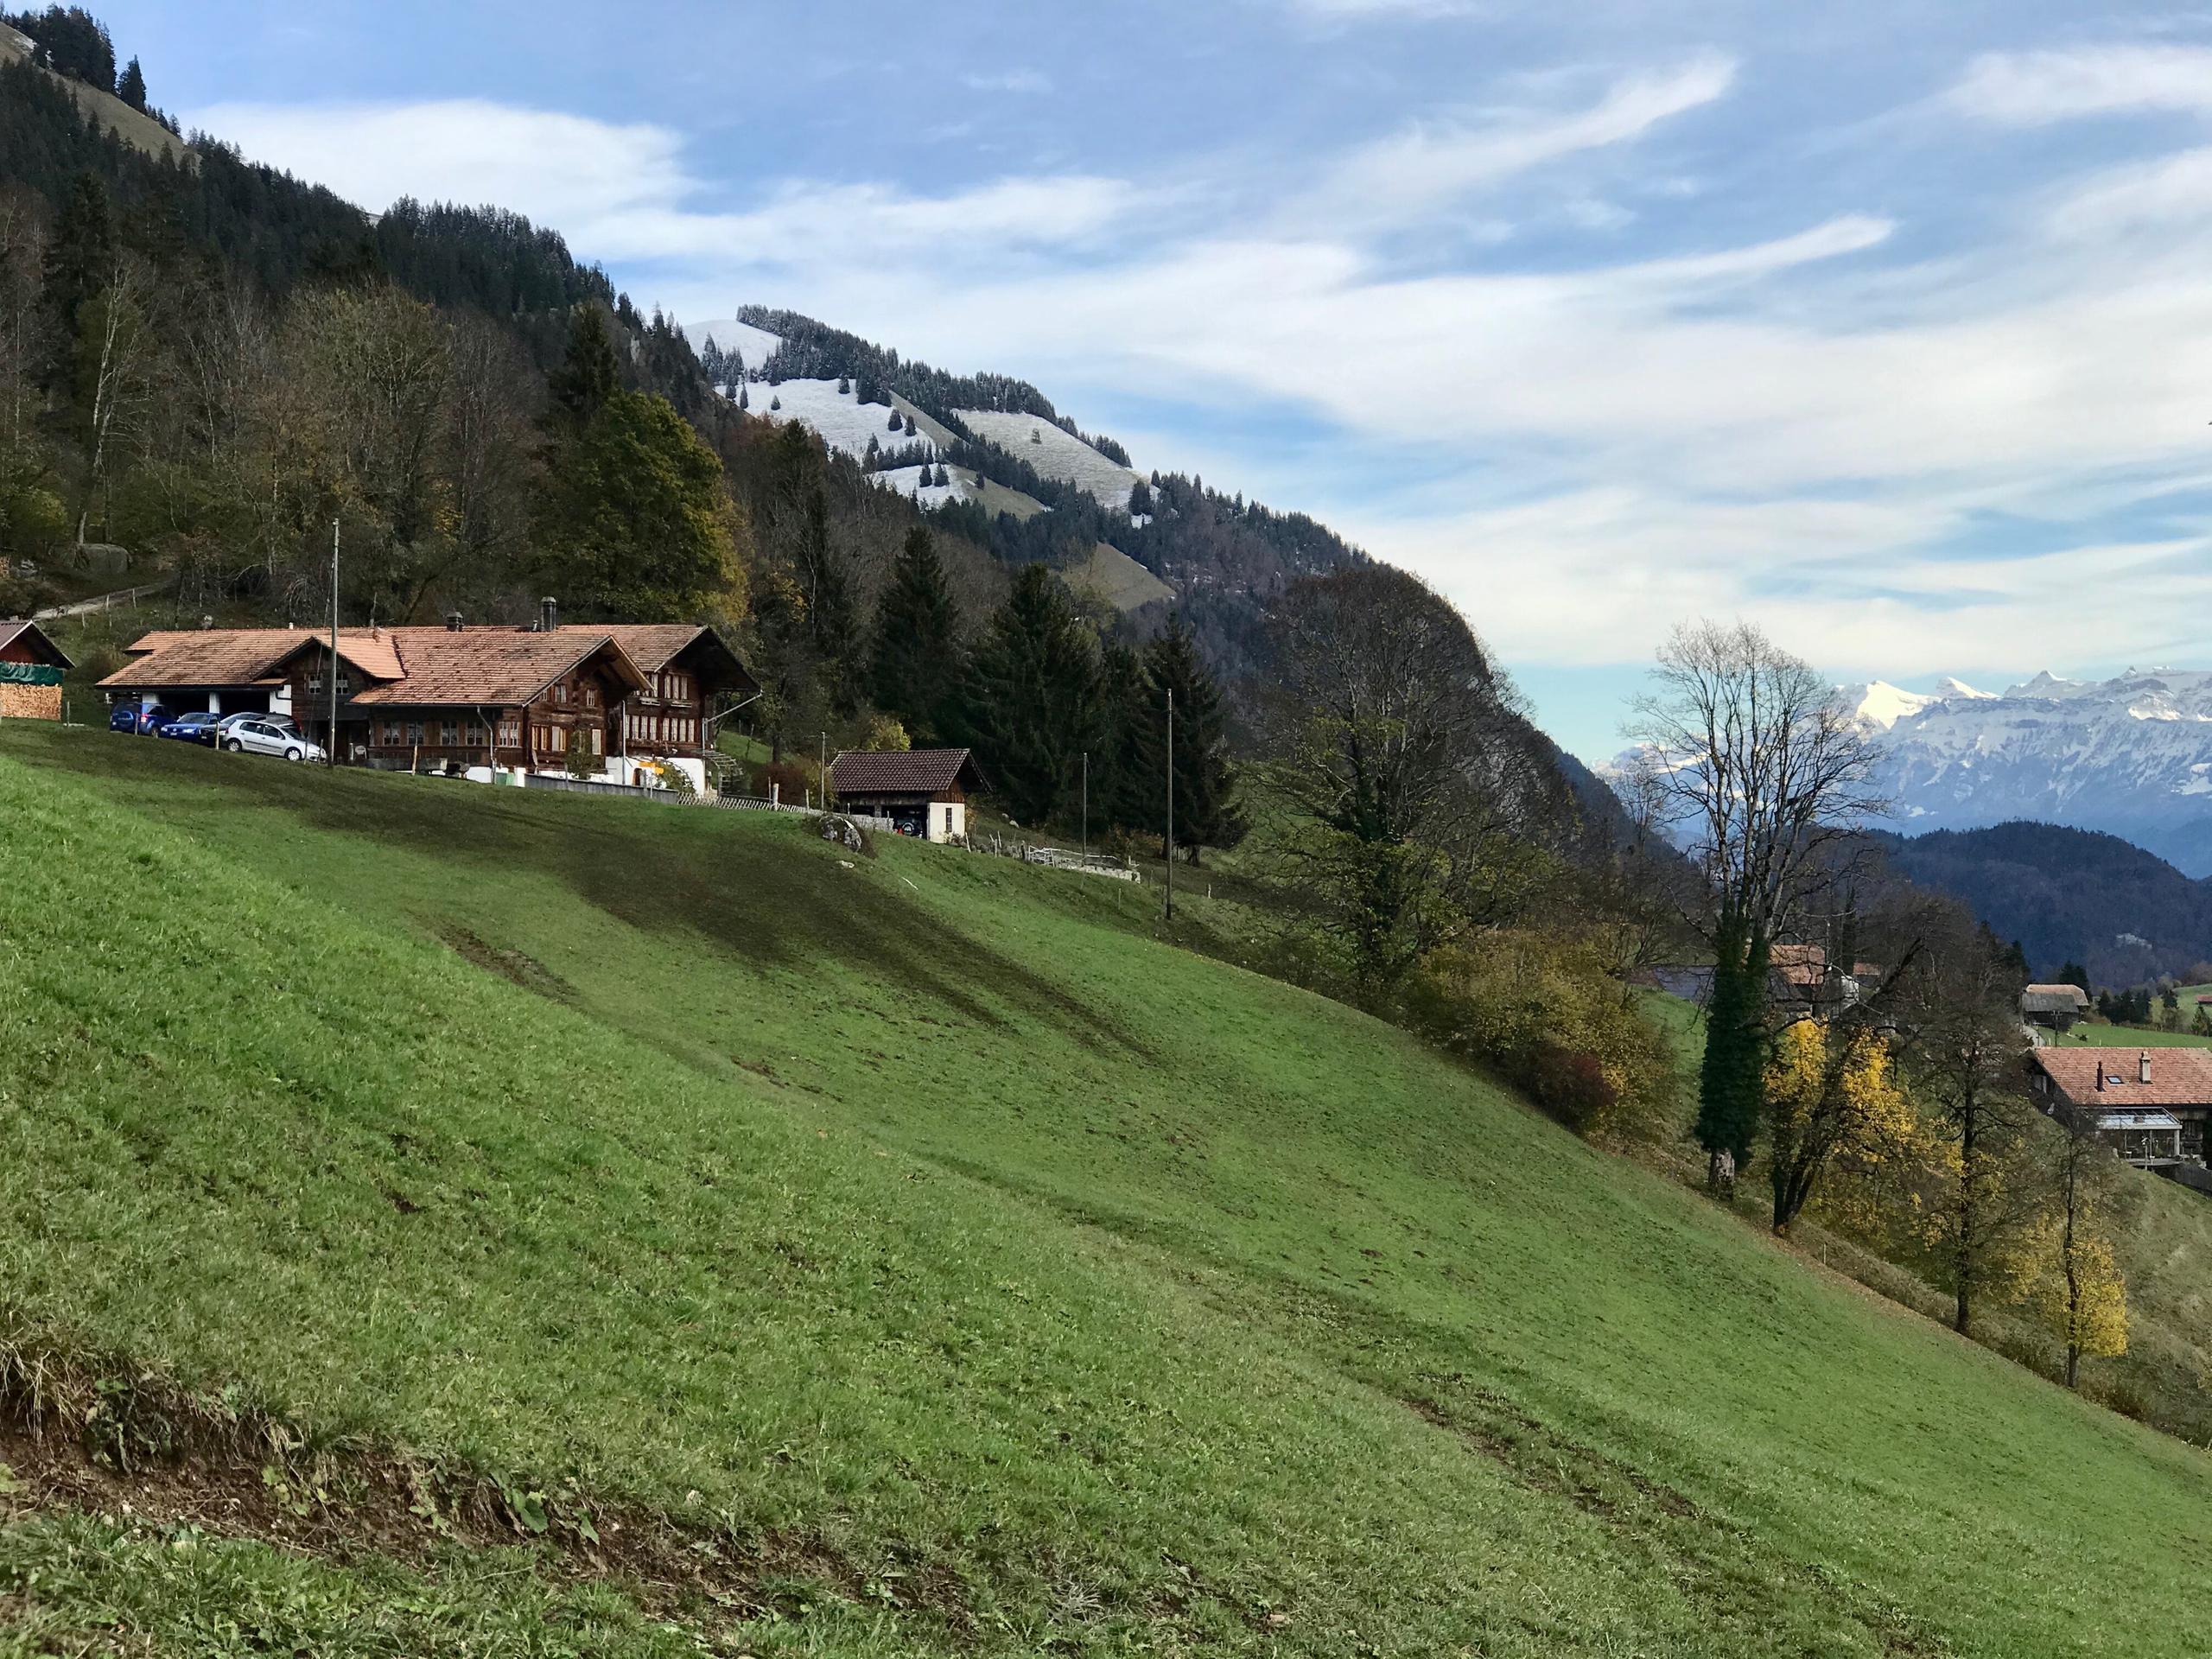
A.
pixel 1207 811
pixel 1032 698
pixel 914 669
pixel 589 375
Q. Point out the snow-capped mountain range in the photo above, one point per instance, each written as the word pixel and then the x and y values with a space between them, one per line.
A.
pixel 2131 756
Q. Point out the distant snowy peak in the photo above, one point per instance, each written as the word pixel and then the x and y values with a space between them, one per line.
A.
pixel 2131 756
pixel 1948 689
pixel 1881 705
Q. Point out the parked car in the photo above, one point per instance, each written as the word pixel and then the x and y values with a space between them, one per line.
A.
pixel 230 722
pixel 138 719
pixel 190 728
pixel 269 735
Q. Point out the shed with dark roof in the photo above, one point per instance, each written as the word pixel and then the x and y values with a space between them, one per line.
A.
pixel 924 791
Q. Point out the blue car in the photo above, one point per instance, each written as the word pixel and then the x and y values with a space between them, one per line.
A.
pixel 137 719
pixel 190 728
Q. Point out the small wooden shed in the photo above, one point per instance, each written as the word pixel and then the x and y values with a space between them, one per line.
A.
pixel 924 791
pixel 31 670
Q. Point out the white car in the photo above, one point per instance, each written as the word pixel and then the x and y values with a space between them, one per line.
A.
pixel 269 735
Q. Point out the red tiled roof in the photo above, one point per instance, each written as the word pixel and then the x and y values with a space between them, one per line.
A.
pixel 491 666
pixel 903 772
pixel 2179 1077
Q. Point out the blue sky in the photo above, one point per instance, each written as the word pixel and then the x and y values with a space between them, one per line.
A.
pixel 1885 325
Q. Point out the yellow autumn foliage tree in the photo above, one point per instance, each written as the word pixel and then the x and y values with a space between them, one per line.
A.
pixel 2079 1290
pixel 1831 1093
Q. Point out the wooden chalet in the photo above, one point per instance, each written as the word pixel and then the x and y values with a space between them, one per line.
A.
pixel 924 791
pixel 516 698
pixel 31 672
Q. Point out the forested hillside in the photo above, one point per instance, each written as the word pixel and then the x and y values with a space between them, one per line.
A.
pixel 2070 895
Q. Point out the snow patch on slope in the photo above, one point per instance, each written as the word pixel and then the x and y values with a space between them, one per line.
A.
pixel 1054 453
pixel 754 345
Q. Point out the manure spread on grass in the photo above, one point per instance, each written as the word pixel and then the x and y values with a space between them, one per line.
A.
pixel 103 1441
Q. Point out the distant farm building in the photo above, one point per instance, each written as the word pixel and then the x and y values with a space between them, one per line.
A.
pixel 31 672
pixel 2055 1005
pixel 924 791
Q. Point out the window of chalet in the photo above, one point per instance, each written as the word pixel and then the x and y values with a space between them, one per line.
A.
pixel 449 734
pixel 561 691
pixel 509 732
pixel 556 739
pixel 591 694
pixel 414 731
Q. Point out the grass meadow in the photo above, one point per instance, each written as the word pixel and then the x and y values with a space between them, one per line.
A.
pixel 1029 1282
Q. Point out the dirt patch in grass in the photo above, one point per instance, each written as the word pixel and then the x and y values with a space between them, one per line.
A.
pixel 514 966
pixel 103 1441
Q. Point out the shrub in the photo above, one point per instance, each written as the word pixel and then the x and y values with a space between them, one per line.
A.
pixel 793 779
pixel 1544 1013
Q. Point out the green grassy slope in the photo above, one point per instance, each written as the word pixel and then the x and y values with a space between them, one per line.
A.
pixel 1063 1286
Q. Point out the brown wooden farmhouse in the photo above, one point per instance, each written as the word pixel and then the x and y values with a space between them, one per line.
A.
pixel 924 791
pixel 512 697
pixel 31 668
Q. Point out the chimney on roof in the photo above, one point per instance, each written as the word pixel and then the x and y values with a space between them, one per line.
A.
pixel 2100 1074
pixel 549 614
pixel 453 621
pixel 2142 1067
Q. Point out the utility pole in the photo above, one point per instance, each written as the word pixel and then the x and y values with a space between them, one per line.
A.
pixel 1171 803
pixel 330 748
pixel 1086 806
pixel 825 772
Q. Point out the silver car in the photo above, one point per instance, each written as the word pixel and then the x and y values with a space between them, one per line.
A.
pixel 269 735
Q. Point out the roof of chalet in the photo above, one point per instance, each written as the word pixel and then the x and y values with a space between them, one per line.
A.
pixel 12 629
pixel 2179 1077
pixel 492 667
pixel 412 667
pixel 2053 999
pixel 903 772
pixel 653 645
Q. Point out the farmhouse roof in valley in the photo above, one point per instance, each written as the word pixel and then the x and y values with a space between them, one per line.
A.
pixel 903 772
pixel 2179 1077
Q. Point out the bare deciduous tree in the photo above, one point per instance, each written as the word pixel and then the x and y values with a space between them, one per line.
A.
pixel 1748 759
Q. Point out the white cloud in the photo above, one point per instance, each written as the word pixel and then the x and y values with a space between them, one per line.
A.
pixel 623 192
pixel 1031 82
pixel 2033 88
pixel 1432 164
pixel 559 169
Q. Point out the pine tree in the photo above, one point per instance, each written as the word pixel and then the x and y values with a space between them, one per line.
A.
pixel 914 667
pixel 910 426
pixel 744 398
pixel 1123 791
pixel 873 459
pixel 944 478
pixel 2074 973
pixel 79 262
pixel 892 425
pixel 1032 699
pixel 589 375
pixel 843 385
pixel 1207 811
pixel 775 402
pixel 131 89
